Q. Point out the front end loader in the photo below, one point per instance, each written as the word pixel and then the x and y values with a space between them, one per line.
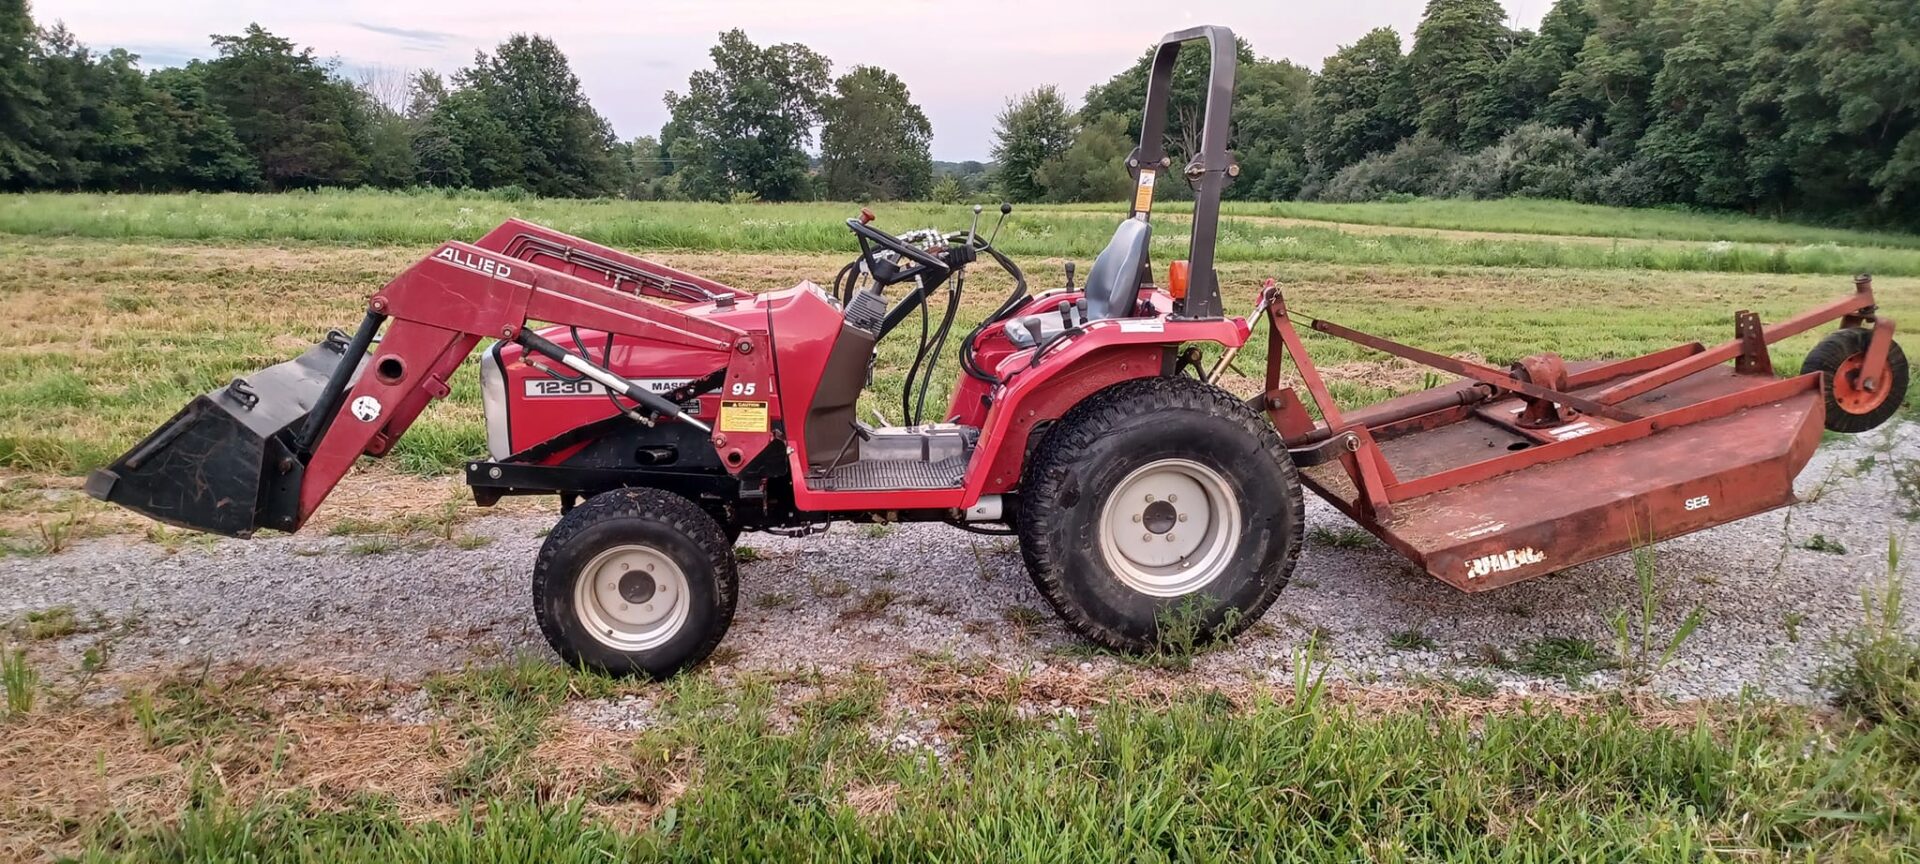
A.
pixel 667 413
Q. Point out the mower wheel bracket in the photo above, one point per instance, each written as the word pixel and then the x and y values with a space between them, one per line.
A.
pixel 1874 365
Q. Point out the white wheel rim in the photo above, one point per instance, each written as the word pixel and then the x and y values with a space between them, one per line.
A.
pixel 1170 527
pixel 631 598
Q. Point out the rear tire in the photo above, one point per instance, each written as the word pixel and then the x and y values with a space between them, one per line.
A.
pixel 1104 528
pixel 1838 358
pixel 635 582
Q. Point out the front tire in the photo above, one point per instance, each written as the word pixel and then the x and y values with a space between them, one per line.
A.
pixel 635 582
pixel 1155 498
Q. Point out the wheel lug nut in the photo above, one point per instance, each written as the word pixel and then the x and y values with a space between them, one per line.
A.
pixel 1183 517
pixel 1146 537
pixel 624 566
pixel 1149 499
pixel 1169 537
pixel 1136 517
pixel 1173 499
pixel 623 607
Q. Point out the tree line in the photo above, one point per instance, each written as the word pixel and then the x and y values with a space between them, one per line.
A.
pixel 264 114
pixel 1770 106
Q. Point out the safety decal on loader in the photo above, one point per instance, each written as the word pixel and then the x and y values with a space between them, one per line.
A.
pixel 743 416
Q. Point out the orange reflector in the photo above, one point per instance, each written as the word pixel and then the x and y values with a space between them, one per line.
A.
pixel 1177 280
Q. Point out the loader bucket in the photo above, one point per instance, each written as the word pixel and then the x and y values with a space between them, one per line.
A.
pixel 228 463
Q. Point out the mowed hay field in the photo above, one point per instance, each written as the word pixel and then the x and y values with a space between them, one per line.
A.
pixel 125 307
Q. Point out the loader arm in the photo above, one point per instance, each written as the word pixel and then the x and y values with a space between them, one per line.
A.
pixel 266 450
pixel 537 244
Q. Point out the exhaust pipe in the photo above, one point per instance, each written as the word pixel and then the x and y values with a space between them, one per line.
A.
pixel 232 461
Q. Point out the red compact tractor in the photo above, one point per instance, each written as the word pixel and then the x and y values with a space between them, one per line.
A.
pixel 668 413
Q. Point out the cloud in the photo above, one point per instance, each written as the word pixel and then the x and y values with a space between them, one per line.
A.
pixel 422 38
pixel 160 55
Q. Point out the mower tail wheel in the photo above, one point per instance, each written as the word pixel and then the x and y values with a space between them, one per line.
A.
pixel 1157 504
pixel 1851 407
pixel 635 582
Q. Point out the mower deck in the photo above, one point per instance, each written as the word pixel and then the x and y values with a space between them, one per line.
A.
pixel 1718 446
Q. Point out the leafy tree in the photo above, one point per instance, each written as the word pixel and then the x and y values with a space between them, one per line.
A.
pixel 1417 166
pixel 526 97
pixel 302 123
pixel 741 125
pixel 1611 82
pixel 1457 52
pixel 1525 81
pixel 1269 130
pixel 1866 54
pixel 1094 167
pixel 210 155
pixel 1695 149
pixel 1030 131
pixel 93 141
pixel 1532 161
pixel 479 149
pixel 947 190
pixel 438 157
pixel 23 106
pixel 1362 103
pixel 644 169
pixel 390 160
pixel 874 143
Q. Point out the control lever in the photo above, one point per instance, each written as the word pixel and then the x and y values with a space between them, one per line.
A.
pixel 975 227
pixel 1069 275
pixel 1005 208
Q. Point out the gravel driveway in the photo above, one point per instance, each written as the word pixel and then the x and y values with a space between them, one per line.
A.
pixel 1771 611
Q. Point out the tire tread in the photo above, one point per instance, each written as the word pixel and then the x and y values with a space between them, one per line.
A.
pixel 654 505
pixel 1054 463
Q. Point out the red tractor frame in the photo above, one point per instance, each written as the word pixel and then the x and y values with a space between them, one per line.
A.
pixel 668 413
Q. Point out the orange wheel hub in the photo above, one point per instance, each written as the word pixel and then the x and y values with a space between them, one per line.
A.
pixel 1848 393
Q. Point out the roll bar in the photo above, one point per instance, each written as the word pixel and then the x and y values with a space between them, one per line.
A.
pixel 1212 167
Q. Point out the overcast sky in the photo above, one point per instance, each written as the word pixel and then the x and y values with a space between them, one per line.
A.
pixel 961 60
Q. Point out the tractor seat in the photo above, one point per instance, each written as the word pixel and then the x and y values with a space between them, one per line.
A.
pixel 1113 285
pixel 1112 289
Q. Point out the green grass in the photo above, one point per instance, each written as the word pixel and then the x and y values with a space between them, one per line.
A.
pixel 1205 779
pixel 1530 216
pixel 366 217
pixel 1567 658
pixel 19 680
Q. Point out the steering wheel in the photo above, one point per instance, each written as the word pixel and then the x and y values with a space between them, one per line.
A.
pixel 870 237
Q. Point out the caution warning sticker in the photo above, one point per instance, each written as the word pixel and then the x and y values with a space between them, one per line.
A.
pixel 743 416
pixel 1143 193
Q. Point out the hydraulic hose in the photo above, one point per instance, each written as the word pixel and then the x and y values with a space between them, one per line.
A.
pixel 939 344
pixel 906 389
pixel 1013 301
